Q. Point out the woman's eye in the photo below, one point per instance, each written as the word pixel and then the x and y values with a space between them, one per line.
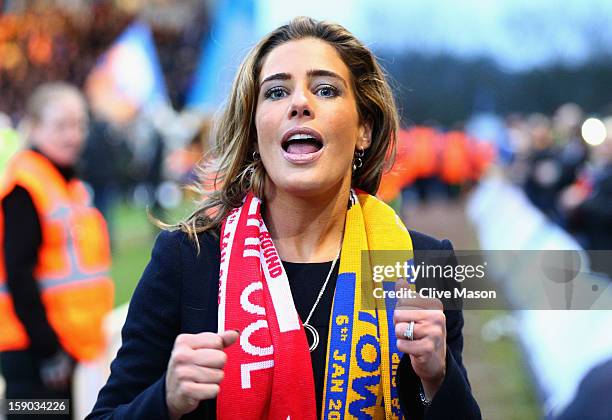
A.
pixel 275 93
pixel 327 91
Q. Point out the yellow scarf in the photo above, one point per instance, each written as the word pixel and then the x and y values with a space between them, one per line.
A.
pixel 362 356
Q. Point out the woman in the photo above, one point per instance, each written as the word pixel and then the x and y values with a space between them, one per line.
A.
pixel 55 289
pixel 307 128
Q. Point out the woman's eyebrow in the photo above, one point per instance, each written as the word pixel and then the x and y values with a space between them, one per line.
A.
pixel 277 76
pixel 311 74
pixel 326 73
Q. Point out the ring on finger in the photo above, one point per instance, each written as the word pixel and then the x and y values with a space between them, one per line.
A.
pixel 409 333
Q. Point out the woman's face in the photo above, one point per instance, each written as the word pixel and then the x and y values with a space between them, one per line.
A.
pixel 307 123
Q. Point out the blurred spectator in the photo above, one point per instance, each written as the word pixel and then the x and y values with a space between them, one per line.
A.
pixel 54 283
pixel 423 144
pixel 103 164
pixel 520 145
pixel 455 161
pixel 550 153
pixel 146 170
pixel 588 202
pixel 544 168
pixel 574 152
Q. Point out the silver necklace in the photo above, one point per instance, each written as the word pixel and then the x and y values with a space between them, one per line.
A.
pixel 307 326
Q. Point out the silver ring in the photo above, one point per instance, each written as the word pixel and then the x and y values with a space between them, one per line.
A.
pixel 409 333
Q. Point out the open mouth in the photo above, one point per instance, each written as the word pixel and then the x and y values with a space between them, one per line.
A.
pixel 301 144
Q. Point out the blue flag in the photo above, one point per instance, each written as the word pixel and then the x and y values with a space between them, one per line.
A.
pixel 128 77
pixel 232 34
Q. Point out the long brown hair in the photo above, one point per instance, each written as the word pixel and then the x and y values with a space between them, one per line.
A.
pixel 233 170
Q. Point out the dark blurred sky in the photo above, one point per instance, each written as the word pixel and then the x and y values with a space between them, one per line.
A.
pixel 519 34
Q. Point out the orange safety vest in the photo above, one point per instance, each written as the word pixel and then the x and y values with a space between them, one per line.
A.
pixel 73 264
pixel 456 165
pixel 390 186
pixel 404 170
pixel 425 144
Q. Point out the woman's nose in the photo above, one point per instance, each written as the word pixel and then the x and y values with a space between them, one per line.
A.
pixel 300 106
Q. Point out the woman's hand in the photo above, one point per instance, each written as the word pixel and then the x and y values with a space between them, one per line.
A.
pixel 428 349
pixel 195 370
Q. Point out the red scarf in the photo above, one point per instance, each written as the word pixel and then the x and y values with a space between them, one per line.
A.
pixel 268 374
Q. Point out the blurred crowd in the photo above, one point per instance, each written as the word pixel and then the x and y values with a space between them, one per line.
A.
pixel 567 179
pixel 563 175
pixel 46 44
pixel 563 162
pixel 433 163
pixel 51 43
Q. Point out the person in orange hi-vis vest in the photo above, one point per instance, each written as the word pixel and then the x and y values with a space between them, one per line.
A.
pixel 55 287
pixel 483 154
pixel 456 166
pixel 402 173
pixel 424 145
pixel 416 160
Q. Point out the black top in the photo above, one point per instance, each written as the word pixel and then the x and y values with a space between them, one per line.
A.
pixel 22 239
pixel 306 281
pixel 178 293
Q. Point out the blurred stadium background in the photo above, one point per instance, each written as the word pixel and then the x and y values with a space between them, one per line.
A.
pixel 502 102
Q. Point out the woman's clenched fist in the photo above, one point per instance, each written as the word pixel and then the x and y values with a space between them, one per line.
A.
pixel 195 370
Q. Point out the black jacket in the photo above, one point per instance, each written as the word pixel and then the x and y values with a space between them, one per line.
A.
pixel 178 294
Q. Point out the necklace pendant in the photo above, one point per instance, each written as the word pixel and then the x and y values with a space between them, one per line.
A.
pixel 315 337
